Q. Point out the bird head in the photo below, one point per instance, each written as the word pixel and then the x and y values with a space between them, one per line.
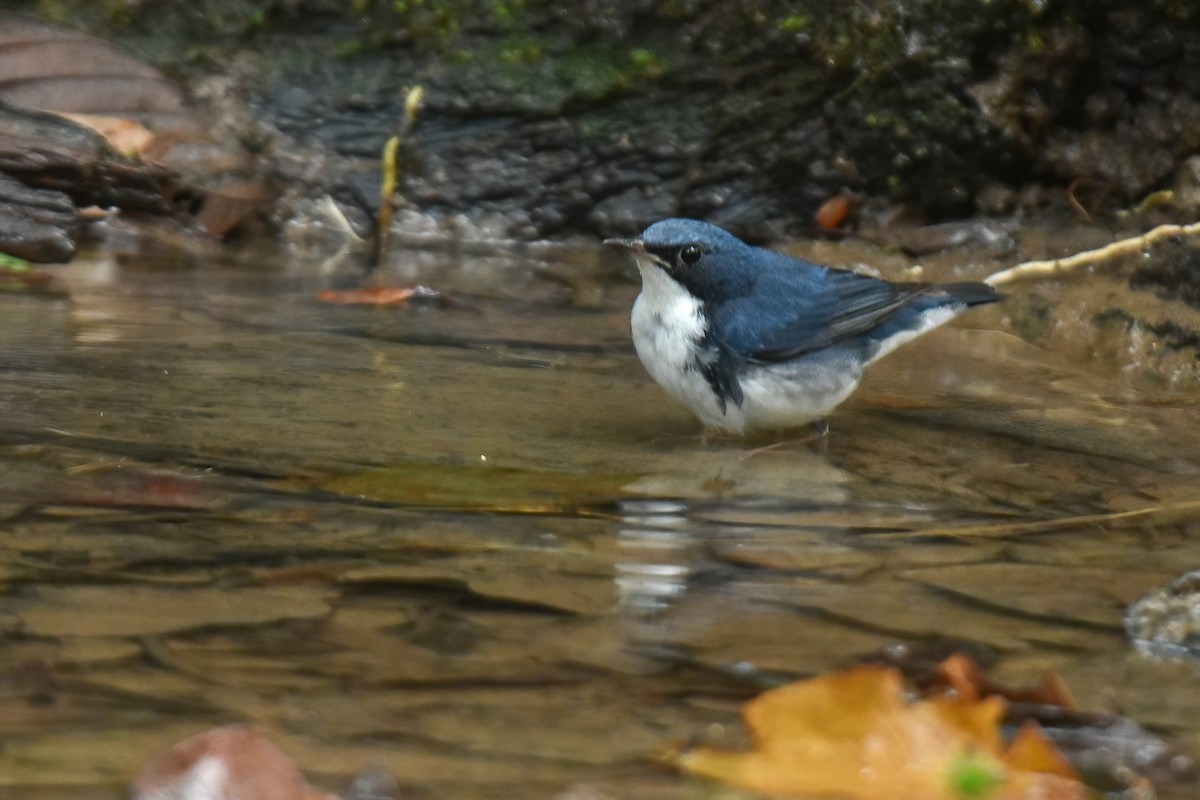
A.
pixel 701 257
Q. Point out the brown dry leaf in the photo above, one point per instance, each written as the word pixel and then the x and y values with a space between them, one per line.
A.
pixel 1031 751
pixel 369 296
pixel 833 213
pixel 853 735
pixel 962 675
pixel 125 135
pixel 229 205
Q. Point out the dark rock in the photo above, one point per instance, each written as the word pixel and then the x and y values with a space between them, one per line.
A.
pixel 36 224
pixel 49 152
pixel 1174 273
pixel 48 166
pixel 600 116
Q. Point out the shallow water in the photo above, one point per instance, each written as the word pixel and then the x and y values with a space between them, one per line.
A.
pixel 472 543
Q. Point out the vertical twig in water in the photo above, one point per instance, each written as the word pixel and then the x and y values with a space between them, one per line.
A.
pixel 390 167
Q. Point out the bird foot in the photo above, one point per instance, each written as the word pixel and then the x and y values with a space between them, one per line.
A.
pixel 819 435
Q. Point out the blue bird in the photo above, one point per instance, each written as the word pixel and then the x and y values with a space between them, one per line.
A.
pixel 750 339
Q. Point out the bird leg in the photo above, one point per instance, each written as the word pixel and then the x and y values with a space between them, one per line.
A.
pixel 819 436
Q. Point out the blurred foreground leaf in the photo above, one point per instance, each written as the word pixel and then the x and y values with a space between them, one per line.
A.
pixel 854 735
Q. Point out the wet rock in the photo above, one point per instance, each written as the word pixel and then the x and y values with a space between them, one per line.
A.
pixel 1111 98
pixel 112 131
pixel 993 235
pixel 742 119
pixel 48 167
pixel 1166 621
pixel 36 224
pixel 1187 185
pixel 1174 274
pixel 604 117
pixel 48 152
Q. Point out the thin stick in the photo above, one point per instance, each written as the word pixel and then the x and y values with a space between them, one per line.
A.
pixel 1005 529
pixel 1033 269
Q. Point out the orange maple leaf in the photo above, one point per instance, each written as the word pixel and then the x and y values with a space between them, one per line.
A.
pixel 854 735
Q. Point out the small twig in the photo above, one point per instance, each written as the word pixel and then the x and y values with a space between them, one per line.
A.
pixel 338 218
pixel 1031 269
pixel 1006 529
pixel 1074 201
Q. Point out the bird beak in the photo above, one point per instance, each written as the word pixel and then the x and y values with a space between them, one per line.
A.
pixel 633 245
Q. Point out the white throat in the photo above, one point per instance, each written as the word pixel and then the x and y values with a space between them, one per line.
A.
pixel 668 324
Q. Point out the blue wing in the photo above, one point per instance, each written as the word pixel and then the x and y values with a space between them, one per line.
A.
pixel 797 308
pixel 789 308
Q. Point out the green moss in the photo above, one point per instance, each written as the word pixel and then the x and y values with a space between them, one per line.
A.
pixel 591 72
pixel 793 23
pixel 508 14
pixel 646 63
pixel 522 51
pixel 349 48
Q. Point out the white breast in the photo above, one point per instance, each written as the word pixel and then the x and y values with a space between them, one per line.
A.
pixel 668 324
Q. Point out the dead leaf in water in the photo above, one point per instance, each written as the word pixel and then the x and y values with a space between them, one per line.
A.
pixel 853 735
pixel 369 296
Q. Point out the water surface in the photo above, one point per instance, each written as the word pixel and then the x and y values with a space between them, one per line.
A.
pixel 472 543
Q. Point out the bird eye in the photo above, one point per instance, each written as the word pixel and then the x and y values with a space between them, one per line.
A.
pixel 690 254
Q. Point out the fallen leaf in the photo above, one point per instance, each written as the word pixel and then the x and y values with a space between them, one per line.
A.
pixel 833 213
pixel 369 296
pixel 227 206
pixel 853 735
pixel 963 676
pixel 1031 751
pixel 232 761
pixel 125 135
